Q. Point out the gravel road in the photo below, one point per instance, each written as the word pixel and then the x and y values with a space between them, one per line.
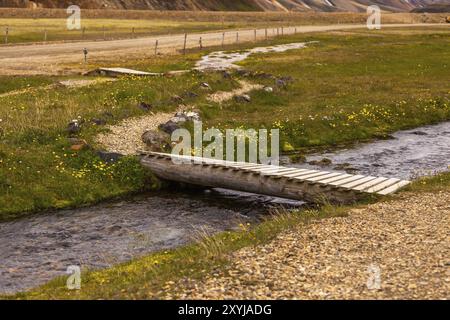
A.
pixel 400 249
pixel 49 58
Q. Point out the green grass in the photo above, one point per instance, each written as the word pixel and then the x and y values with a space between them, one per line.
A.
pixel 347 88
pixel 8 84
pixel 38 170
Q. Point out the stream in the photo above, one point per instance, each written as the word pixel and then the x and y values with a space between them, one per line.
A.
pixel 35 249
pixel 38 248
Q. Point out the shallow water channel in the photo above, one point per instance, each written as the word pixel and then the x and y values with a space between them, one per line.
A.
pixel 33 250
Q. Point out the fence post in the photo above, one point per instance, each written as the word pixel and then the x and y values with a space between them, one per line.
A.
pixel 200 44
pixel 237 37
pixel 132 32
pixel 45 35
pixel 223 39
pixel 83 32
pixel 156 47
pixel 184 46
pixel 255 35
pixel 6 35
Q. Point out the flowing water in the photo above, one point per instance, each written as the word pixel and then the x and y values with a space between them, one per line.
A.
pixel 408 155
pixel 221 60
pixel 36 249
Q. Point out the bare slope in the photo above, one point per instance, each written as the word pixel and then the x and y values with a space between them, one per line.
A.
pixel 226 5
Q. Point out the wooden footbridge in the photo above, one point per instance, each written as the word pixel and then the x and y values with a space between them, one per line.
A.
pixel 284 182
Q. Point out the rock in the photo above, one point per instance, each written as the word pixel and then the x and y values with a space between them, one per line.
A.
pixel 169 127
pixel 183 116
pixel 243 73
pixel 242 98
pixel 342 166
pixel 145 106
pixel 226 75
pixel 73 127
pixel 287 79
pixel 98 121
pixel 78 147
pixel 268 89
pixel 109 157
pixel 323 162
pixel 284 81
pixel 77 144
pixel 190 94
pixel 156 141
pixel 205 85
pixel 297 158
pixel 280 83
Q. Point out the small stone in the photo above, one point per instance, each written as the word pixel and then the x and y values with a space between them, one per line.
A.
pixel 268 89
pixel 73 127
pixel 242 98
pixel 169 127
pixel 109 157
pixel 98 121
pixel 226 75
pixel 145 106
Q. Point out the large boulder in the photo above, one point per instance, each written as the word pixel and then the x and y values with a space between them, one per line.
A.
pixel 156 141
pixel 169 127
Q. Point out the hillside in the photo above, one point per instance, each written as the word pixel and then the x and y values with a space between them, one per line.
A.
pixel 226 5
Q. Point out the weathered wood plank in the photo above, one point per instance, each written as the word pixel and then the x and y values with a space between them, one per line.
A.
pixel 293 183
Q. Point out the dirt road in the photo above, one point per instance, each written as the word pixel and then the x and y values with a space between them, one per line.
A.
pixel 60 58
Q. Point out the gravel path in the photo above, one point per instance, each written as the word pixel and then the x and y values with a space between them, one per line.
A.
pixel 399 248
pixel 126 137
pixel 223 96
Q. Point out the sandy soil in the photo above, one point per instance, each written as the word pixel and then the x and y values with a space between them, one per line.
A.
pixel 51 58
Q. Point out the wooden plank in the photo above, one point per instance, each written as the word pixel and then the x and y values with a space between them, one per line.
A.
pixel 331 175
pixel 355 183
pixel 382 186
pixel 393 188
pixel 337 178
pixel 369 184
pixel 293 171
pixel 276 171
pixel 268 169
pixel 304 172
pixel 347 180
pixel 320 173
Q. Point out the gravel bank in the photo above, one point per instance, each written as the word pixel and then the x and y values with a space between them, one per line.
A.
pixel 406 240
pixel 126 137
